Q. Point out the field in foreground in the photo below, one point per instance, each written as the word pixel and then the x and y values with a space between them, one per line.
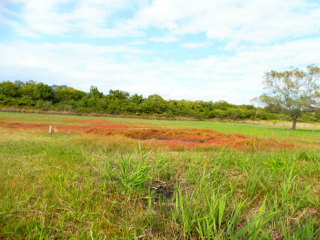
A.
pixel 112 178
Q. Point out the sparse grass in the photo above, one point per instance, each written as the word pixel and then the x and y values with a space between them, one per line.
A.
pixel 81 186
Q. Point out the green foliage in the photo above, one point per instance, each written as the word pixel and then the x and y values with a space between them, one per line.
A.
pixel 28 89
pixel 40 96
pixel 292 92
pixel 42 92
pixel 94 92
pixel 43 105
pixel 9 89
pixel 275 163
pixel 77 186
pixel 120 95
pixel 68 94
pixel 154 104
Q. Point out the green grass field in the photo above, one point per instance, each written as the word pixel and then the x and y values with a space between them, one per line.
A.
pixel 72 185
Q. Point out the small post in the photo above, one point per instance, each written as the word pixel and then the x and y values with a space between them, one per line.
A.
pixel 50 129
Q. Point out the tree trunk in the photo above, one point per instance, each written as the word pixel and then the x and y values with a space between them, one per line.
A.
pixel 294 123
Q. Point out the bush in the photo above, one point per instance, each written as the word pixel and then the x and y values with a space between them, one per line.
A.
pixel 221 114
pixel 43 105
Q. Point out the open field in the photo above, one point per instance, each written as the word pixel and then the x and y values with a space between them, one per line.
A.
pixel 116 178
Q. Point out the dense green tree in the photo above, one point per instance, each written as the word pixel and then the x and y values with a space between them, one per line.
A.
pixel 42 92
pixel 118 94
pixel 28 89
pixel 154 104
pixel 41 96
pixel 94 92
pixel 9 89
pixel 138 99
pixel 222 105
pixel 67 94
pixel 19 83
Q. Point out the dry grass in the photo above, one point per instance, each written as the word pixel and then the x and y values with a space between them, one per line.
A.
pixel 283 124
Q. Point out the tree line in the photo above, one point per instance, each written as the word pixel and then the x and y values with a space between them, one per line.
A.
pixel 34 95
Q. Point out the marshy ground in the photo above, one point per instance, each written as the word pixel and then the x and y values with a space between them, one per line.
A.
pixel 115 178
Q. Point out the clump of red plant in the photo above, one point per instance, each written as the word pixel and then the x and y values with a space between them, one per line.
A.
pixel 172 138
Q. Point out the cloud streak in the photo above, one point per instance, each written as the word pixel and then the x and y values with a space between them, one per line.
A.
pixel 180 49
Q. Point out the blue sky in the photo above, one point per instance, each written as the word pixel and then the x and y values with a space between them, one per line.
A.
pixel 181 49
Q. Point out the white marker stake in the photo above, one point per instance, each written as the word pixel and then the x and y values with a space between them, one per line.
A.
pixel 50 129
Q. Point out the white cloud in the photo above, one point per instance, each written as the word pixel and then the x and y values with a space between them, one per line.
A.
pixel 62 17
pixel 165 39
pixel 251 36
pixel 194 45
pixel 138 42
pixel 234 78
pixel 256 21
pixel 20 29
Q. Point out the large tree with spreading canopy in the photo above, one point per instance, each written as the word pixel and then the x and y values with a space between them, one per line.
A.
pixel 295 91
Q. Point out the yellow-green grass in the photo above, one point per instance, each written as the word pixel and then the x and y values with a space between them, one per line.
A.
pixel 81 186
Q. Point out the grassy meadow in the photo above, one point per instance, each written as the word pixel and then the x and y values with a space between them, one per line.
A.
pixel 79 184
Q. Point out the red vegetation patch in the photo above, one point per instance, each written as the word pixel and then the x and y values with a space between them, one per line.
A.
pixel 171 138
pixel 15 125
pixel 203 138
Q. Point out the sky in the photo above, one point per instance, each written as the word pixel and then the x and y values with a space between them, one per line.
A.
pixel 180 49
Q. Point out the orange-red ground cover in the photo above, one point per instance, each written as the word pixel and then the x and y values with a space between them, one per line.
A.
pixel 172 138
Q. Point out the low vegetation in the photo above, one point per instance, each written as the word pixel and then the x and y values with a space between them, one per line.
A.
pixel 86 185
pixel 38 96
